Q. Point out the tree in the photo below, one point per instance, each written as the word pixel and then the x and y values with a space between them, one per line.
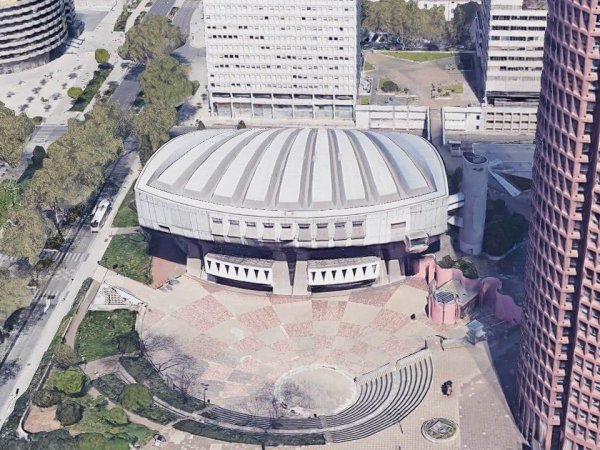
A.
pixel 69 413
pixel 136 397
pixel 117 416
pixel 165 81
pixel 102 55
pixel 389 86
pixel 152 127
pixel 77 160
pixel 459 29
pixel 241 125
pixel 13 293
pixel 128 342
pixel 14 134
pixel 74 92
pixel 64 356
pixel 71 381
pixel 24 235
pixel 153 38
pixel 44 398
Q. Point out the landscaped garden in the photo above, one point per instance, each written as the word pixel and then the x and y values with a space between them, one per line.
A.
pixel 127 254
pixel 106 333
pixel 503 230
pixel 92 88
pixel 420 56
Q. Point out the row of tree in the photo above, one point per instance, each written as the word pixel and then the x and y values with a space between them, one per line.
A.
pixel 415 26
pixel 164 81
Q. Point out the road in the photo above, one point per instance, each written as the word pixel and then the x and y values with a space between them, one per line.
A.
pixel 23 350
pixel 128 90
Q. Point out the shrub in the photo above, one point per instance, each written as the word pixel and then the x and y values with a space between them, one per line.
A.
pixel 71 381
pixel 200 125
pixel 44 398
pixel 129 342
pixel 136 397
pixel 69 413
pixel 117 416
pixel 96 441
pixel 75 92
pixel 102 56
pixel 389 86
pixel 64 356
pixel 241 125
pixel 37 120
pixel 467 268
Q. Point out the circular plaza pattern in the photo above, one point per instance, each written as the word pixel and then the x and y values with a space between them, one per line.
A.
pixel 318 389
pixel 243 343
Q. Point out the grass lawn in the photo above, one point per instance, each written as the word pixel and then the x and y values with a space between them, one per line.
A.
pixel 91 89
pixel 127 214
pixel 97 336
pixel 364 101
pixel 368 66
pixel 455 88
pixel 127 254
pixel 420 56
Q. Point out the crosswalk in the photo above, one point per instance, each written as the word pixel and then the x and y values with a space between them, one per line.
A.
pixel 69 259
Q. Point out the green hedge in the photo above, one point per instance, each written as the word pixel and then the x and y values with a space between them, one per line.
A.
pixel 228 435
pixel 111 386
pixel 143 372
pixel 91 89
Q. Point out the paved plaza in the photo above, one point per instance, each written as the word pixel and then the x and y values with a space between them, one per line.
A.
pixel 245 343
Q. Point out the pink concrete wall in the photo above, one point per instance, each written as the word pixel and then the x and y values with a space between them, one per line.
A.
pixel 443 314
pixel 504 305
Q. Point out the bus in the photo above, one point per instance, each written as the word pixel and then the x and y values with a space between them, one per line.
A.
pixel 99 215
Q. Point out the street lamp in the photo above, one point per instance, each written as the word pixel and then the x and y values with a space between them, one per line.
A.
pixel 205 387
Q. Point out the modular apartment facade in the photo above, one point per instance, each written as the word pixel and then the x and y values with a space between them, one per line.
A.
pixel 559 367
pixel 31 31
pixel 282 59
pixel 509 38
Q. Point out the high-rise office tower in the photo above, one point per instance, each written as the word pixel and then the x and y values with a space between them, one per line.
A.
pixel 509 41
pixel 282 59
pixel 559 367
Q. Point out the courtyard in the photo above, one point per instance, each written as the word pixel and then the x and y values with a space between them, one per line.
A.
pixel 246 348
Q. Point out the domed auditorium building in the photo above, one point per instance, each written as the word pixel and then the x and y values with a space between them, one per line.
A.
pixel 295 210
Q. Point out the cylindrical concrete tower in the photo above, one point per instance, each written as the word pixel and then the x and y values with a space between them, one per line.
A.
pixel 32 31
pixel 474 186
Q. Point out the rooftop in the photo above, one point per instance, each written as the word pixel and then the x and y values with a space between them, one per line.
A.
pixel 295 169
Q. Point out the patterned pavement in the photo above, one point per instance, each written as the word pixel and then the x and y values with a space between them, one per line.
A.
pixel 243 342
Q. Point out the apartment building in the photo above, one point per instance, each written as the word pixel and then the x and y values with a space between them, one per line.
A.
pixel 448 5
pixel 282 59
pixel 509 38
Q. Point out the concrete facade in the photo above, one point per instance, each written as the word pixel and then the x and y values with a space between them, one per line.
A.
pixel 559 367
pixel 32 32
pixel 474 187
pixel 393 117
pixel 509 42
pixel 519 119
pixel 333 207
pixel 282 59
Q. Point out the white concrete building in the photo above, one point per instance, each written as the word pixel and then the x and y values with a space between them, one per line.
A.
pixel 509 38
pixel 282 59
pixel 32 31
pixel 332 207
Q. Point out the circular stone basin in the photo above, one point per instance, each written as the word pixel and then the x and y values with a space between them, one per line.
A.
pixel 315 389
pixel 439 429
